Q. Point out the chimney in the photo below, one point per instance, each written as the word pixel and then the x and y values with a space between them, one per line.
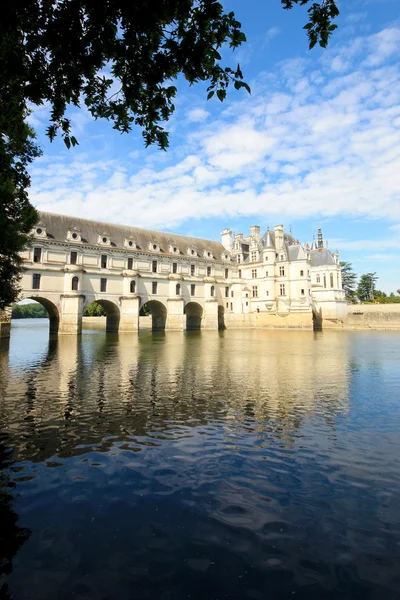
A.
pixel 226 239
pixel 255 232
pixel 278 229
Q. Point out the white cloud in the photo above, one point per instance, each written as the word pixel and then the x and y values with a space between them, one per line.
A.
pixel 314 139
pixel 272 33
pixel 197 115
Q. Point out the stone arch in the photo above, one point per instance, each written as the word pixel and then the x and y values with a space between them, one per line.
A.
pixel 132 286
pixel 158 313
pixel 194 313
pixel 52 309
pixel 221 317
pixel 112 314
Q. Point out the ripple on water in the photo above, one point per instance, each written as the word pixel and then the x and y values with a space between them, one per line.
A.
pixel 249 464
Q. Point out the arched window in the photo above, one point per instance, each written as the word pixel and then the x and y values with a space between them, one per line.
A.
pixel 133 286
pixel 331 280
pixel 212 290
pixel 318 279
pixel 75 283
pixel 324 280
pixel 178 289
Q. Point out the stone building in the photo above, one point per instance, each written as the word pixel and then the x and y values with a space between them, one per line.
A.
pixel 245 281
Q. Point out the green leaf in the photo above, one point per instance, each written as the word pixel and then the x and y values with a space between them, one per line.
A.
pixel 221 95
pixel 210 94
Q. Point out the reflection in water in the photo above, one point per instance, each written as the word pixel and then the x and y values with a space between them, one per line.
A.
pixel 239 464
pixel 12 536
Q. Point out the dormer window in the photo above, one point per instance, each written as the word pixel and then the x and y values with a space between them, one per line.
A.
pixel 130 244
pixel 207 254
pixel 225 256
pixel 154 247
pixel 40 231
pixel 191 252
pixel 104 239
pixel 74 235
pixel 173 250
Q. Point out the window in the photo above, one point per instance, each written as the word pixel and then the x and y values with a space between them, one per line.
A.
pixel 238 258
pixel 103 284
pixel 254 273
pixel 75 284
pixel 302 292
pixel 130 264
pixel 73 259
pixel 227 305
pixel 301 273
pixel 247 303
pixel 324 280
pixel 231 305
pixel 154 287
pixel 282 257
pixel 192 269
pixel 232 294
pixel 226 292
pixel 178 289
pixel 266 258
pixel 318 279
pixel 258 310
pixel 331 280
pixel 174 267
pixel 36 281
pixel 266 273
pixel 104 261
pixel 192 289
pixel 37 255
pixel 255 291
pixel 240 274
pixel 154 266
pixel 282 290
pixel 212 290
pixel 226 273
pixel 267 293
pixel 246 294
pixel 281 271
pixel 253 256
pixel 133 286
pixel 208 271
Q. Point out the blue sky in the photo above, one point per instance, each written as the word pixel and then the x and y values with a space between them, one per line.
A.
pixel 316 144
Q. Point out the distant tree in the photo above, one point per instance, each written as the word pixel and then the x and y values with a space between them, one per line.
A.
pixel 349 279
pixel 398 291
pixel 144 311
pixel 29 311
pixel 94 310
pixel 366 286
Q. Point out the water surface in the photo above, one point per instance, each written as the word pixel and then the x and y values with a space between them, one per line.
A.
pixel 240 464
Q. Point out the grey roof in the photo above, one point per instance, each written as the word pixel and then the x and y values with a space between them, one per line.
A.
pixel 57 227
pixel 294 252
pixel 269 236
pixel 321 257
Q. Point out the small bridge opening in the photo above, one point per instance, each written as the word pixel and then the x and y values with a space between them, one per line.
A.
pixel 104 308
pixel 153 315
pixel 37 308
pixel 194 313
pixel 221 318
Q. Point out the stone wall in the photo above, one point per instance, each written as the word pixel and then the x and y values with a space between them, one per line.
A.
pixel 373 316
pixel 269 321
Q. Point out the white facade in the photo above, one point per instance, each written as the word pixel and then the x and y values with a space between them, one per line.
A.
pixel 257 281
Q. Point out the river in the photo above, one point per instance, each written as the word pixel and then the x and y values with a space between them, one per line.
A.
pixel 203 465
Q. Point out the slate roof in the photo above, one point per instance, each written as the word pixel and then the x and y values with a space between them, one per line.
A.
pixel 57 227
pixel 321 258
